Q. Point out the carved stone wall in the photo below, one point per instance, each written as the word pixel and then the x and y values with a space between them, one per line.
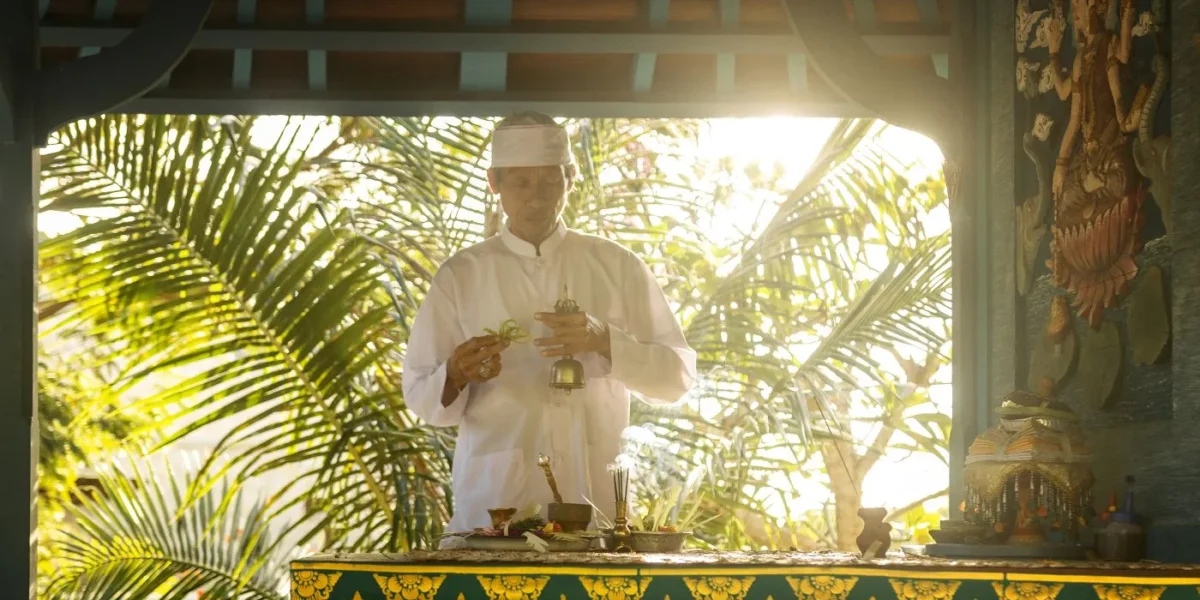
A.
pixel 1183 520
pixel 1150 426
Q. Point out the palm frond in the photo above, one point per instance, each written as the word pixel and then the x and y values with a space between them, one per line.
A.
pixel 207 256
pixel 142 539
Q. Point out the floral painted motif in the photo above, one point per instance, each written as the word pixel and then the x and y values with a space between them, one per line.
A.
pixel 513 587
pixel 1027 591
pixel 1129 592
pixel 924 589
pixel 614 588
pixel 409 587
pixel 822 587
pixel 718 588
pixel 313 585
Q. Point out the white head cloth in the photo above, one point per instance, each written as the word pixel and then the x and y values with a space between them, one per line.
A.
pixel 531 146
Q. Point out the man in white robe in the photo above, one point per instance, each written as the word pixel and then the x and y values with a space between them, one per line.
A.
pixel 498 393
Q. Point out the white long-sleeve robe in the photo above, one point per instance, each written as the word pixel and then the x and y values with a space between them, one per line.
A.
pixel 504 424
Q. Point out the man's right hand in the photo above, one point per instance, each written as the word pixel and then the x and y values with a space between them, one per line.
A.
pixel 475 361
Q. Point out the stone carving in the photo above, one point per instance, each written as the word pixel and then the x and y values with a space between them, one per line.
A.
pixel 1100 365
pixel 1149 322
pixel 1150 152
pixel 1053 357
pixel 1096 186
pixel 1034 212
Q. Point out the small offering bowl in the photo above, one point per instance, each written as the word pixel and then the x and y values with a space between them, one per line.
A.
pixel 668 542
pixel 500 515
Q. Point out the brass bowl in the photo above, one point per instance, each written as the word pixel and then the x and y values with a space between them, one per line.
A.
pixel 500 515
pixel 572 517
pixel 662 542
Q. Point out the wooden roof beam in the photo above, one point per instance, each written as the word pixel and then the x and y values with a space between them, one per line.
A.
pixel 657 12
pixel 730 11
pixel 314 15
pixel 243 58
pixel 911 99
pixel 511 40
pixel 931 16
pixel 102 10
pixel 571 105
pixel 100 83
pixel 485 71
pixel 864 15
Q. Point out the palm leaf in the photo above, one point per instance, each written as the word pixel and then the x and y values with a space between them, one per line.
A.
pixel 142 539
pixel 238 277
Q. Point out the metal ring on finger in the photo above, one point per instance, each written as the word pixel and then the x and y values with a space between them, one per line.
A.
pixel 485 370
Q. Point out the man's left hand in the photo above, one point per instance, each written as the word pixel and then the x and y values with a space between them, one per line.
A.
pixel 573 333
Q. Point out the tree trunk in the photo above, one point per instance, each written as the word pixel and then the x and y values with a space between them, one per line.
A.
pixel 841 464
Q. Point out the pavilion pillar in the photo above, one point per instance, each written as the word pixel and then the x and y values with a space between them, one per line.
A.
pixel 18 292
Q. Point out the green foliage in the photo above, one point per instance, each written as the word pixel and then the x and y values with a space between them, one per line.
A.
pixel 143 539
pixel 279 279
pixel 203 251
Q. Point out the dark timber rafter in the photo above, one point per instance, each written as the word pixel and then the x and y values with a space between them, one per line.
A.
pixel 122 72
pixel 909 99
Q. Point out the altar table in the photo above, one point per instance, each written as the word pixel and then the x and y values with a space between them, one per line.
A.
pixel 475 575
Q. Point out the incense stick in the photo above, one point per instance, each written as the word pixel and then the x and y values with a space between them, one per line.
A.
pixel 621 483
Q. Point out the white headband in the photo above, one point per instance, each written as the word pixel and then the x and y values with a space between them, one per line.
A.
pixel 531 146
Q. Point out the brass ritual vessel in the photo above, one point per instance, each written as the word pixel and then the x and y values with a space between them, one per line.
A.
pixel 566 373
pixel 571 516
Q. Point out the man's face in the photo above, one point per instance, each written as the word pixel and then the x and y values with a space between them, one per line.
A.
pixel 532 197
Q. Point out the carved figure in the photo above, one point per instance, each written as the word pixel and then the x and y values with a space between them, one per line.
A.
pixel 1097 189
pixel 1149 152
pixel 1033 213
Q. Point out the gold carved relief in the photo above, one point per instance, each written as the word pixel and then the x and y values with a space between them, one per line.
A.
pixel 513 587
pixel 614 588
pixel 409 587
pixel 718 588
pixel 1027 591
pixel 924 589
pixel 313 585
pixel 822 587
pixel 1129 592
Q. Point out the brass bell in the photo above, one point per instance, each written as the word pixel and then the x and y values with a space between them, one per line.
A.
pixel 566 373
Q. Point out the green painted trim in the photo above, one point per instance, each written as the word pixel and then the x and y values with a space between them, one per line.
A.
pixel 484 581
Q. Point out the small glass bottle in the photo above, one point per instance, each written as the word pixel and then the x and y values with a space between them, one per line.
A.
pixel 1124 539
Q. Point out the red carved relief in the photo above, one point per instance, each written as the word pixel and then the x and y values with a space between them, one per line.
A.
pixel 1097 189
